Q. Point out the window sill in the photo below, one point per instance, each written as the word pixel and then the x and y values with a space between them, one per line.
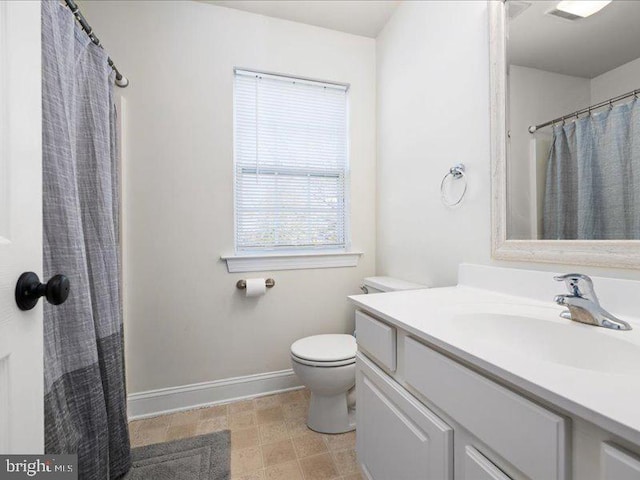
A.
pixel 290 261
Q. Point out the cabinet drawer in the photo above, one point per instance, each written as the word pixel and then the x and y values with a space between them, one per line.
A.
pixel 618 464
pixel 377 339
pixel 398 437
pixel 528 436
pixel 478 467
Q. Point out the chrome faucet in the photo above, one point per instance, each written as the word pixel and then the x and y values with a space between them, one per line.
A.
pixel 584 305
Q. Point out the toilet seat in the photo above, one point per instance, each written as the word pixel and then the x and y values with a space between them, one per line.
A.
pixel 332 350
pixel 311 363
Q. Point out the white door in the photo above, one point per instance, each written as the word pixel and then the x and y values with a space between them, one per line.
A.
pixel 21 357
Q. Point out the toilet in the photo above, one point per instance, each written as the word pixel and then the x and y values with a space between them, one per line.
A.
pixel 326 364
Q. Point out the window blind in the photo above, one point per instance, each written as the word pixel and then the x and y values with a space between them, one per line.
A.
pixel 290 163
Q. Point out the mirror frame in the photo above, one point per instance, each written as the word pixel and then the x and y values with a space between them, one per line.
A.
pixel 602 253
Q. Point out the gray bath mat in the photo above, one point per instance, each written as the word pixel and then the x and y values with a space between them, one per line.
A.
pixel 206 457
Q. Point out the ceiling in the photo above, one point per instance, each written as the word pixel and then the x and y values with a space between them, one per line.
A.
pixel 360 17
pixel 585 48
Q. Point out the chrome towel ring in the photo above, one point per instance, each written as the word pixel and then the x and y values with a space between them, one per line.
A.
pixel 456 173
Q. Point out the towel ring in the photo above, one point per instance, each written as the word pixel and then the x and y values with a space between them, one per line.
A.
pixel 456 172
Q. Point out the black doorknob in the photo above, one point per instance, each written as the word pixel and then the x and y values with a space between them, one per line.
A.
pixel 29 290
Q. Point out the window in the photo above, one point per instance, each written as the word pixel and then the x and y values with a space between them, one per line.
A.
pixel 290 164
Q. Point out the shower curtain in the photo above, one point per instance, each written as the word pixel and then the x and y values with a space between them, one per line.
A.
pixel 593 177
pixel 85 398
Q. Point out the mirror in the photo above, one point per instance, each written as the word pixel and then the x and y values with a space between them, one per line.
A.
pixel 566 130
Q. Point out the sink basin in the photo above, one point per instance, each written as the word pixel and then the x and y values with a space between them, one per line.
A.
pixel 545 337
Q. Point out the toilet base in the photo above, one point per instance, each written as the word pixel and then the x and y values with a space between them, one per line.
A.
pixel 330 414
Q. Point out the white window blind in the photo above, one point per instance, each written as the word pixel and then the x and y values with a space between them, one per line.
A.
pixel 290 163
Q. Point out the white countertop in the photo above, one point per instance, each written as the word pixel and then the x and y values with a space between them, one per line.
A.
pixel 588 371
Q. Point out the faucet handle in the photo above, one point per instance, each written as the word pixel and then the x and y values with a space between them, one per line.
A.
pixel 574 282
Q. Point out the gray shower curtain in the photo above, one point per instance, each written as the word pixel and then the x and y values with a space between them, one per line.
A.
pixel 85 398
pixel 593 177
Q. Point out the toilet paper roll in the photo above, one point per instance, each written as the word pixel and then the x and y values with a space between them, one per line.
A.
pixel 255 287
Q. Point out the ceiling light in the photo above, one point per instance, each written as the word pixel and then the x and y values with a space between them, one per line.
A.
pixel 574 9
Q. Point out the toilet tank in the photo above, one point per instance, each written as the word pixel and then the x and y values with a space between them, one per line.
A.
pixel 388 284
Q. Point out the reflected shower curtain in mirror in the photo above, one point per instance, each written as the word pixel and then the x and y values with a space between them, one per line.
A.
pixel 593 177
pixel 85 398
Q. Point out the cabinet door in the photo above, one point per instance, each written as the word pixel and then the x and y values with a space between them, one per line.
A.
pixel 377 339
pixel 479 467
pixel 618 464
pixel 398 438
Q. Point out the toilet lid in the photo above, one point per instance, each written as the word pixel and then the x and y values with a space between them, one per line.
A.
pixel 325 348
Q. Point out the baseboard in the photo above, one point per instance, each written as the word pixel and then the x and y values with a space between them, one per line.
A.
pixel 166 400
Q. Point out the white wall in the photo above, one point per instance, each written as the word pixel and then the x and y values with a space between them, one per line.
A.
pixel 433 112
pixel 186 321
pixel 616 82
pixel 535 96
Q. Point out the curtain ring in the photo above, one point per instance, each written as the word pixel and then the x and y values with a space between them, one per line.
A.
pixel 456 172
pixel 610 104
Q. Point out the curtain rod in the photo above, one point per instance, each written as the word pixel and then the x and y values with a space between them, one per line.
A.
pixel 533 129
pixel 121 80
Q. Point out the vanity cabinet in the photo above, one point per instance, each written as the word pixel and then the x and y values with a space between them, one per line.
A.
pixel 485 380
pixel 423 415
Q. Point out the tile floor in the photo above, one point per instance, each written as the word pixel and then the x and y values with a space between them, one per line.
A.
pixel 269 438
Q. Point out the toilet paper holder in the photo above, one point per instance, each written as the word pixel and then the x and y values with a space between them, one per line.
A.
pixel 269 283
